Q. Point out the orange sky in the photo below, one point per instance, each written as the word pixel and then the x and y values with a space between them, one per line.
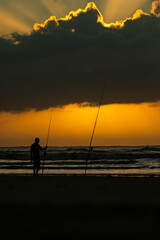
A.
pixel 118 124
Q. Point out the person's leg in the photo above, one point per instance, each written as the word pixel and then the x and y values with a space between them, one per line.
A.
pixel 34 167
pixel 38 165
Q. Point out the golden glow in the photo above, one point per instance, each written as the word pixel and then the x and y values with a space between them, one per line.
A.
pixel 118 124
pixel 120 24
pixel 121 9
pixel 91 5
pixel 18 17
pixel 37 26
pixel 60 8
pixel 155 5
pixel 68 17
pixel 10 23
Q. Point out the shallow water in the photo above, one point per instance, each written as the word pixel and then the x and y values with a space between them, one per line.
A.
pixel 141 160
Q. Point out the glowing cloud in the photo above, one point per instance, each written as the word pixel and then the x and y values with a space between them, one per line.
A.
pixel 93 14
pixel 91 10
pixel 156 8
pixel 49 23
pixel 120 24
pixel 66 60
pixel 121 9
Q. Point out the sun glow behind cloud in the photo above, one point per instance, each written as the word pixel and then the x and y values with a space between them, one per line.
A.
pixel 121 9
pixel 112 10
pixel 10 23
pixel 20 16
pixel 91 7
pixel 59 8
pixel 118 124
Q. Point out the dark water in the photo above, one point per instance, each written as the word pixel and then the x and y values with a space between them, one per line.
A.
pixel 141 160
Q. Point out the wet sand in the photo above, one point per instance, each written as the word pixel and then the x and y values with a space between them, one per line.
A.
pixel 78 207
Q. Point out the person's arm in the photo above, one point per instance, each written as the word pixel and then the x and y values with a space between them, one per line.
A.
pixel 43 149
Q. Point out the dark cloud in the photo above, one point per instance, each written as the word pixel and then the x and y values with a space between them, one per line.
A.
pixel 68 60
pixel 88 21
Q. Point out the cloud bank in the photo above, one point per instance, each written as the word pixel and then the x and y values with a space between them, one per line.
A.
pixel 67 60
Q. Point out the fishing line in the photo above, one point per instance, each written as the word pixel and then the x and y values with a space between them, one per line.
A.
pixel 94 128
pixel 47 140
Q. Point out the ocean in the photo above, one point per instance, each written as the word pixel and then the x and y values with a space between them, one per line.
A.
pixel 116 161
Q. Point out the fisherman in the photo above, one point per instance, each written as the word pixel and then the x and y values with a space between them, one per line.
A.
pixel 35 155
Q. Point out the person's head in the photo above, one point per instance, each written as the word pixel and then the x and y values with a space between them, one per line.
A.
pixel 37 140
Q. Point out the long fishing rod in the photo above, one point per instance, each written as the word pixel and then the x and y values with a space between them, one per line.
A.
pixel 94 128
pixel 49 127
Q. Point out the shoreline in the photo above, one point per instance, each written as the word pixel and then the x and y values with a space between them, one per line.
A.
pixel 82 175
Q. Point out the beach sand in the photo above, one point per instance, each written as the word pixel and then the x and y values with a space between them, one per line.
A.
pixel 78 207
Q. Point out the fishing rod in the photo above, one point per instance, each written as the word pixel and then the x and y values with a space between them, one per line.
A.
pixel 49 127
pixel 94 128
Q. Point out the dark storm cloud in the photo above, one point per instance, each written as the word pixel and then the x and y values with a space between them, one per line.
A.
pixel 68 60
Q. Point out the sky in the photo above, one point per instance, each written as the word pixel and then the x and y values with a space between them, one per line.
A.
pixel 57 54
pixel 20 15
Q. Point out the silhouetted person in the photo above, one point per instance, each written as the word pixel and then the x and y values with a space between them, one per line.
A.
pixel 35 155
